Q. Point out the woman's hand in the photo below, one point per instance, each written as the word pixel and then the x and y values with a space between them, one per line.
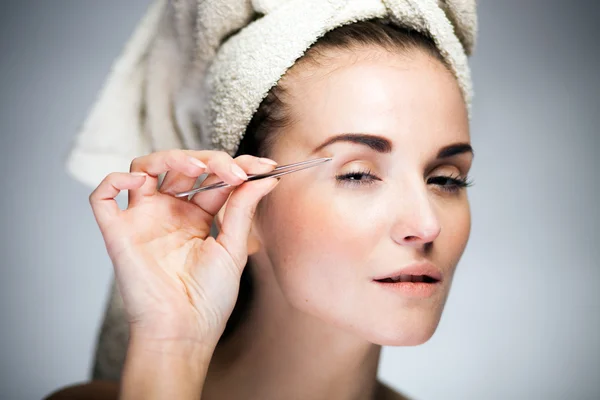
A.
pixel 177 282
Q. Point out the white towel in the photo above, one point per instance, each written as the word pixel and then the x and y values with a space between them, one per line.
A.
pixel 195 71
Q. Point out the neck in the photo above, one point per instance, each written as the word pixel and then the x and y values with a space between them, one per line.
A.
pixel 279 352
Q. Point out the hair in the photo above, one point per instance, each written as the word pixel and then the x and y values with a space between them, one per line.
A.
pixel 272 114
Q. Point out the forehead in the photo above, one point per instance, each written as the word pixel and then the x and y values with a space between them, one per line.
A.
pixel 405 97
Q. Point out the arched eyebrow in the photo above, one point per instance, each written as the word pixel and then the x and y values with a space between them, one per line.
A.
pixel 383 145
pixel 374 142
pixel 455 149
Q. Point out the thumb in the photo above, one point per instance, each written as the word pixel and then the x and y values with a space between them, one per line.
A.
pixel 238 217
pixel 219 216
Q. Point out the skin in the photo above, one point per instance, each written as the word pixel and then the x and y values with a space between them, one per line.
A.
pixel 315 243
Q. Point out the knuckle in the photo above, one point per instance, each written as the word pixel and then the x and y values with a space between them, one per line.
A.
pixel 174 157
pixel 111 176
pixel 235 260
pixel 135 164
pixel 94 195
pixel 221 155
pixel 219 158
pixel 173 154
pixel 245 159
pixel 108 180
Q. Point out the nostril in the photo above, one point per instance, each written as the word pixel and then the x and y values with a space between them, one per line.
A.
pixel 416 241
pixel 405 234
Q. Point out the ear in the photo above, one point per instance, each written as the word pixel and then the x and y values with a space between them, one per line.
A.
pixel 254 242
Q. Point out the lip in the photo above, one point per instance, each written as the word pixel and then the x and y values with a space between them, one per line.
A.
pixel 414 290
pixel 424 268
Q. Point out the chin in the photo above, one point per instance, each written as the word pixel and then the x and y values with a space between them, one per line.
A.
pixel 406 333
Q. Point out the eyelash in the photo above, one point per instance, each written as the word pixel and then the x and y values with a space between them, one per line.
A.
pixel 348 178
pixel 451 184
pixel 456 183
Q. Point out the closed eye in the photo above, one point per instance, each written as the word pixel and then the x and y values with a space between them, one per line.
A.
pixel 357 178
pixel 450 184
pixel 365 177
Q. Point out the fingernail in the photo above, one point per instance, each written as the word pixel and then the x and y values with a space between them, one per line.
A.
pixel 267 161
pixel 196 162
pixel 139 173
pixel 237 171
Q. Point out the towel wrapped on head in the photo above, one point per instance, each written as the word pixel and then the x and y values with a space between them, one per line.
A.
pixel 195 71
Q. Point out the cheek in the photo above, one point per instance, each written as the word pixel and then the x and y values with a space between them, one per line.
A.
pixel 319 245
pixel 456 229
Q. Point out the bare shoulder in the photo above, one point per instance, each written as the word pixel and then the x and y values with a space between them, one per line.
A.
pixel 94 390
pixel 384 392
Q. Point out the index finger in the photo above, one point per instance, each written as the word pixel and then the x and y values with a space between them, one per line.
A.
pixel 163 161
pixel 191 163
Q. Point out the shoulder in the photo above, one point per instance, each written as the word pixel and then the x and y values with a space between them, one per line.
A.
pixel 384 392
pixel 94 390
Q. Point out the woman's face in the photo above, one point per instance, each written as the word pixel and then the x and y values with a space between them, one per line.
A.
pixel 396 126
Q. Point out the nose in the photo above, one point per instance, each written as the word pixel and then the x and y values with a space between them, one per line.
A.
pixel 416 223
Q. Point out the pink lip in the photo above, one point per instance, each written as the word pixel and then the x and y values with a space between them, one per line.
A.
pixel 425 268
pixel 416 290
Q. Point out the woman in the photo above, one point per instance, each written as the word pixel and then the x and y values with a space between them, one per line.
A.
pixel 334 261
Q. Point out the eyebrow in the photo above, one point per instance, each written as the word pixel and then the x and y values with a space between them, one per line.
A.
pixel 377 143
pixel 455 149
pixel 383 145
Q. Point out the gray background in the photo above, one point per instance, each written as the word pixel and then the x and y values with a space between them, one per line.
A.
pixel 524 311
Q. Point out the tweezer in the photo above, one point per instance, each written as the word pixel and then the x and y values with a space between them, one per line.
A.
pixel 279 171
